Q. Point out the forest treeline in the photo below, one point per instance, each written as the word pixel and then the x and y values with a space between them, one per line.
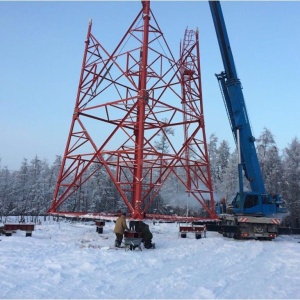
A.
pixel 29 190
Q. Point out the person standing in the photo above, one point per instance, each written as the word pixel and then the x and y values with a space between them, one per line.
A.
pixel 223 206
pixel 120 227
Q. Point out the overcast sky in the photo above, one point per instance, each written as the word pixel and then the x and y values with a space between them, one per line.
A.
pixel 42 47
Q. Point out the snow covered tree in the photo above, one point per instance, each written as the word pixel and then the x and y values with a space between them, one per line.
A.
pixel 221 158
pixel 213 158
pixel 53 172
pixel 224 169
pixel 5 190
pixel 21 188
pixel 223 153
pixel 163 144
pixel 291 163
pixel 270 162
pixel 229 185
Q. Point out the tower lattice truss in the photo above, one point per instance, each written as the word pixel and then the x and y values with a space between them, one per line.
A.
pixel 138 117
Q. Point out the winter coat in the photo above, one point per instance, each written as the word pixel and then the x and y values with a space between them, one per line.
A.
pixel 146 233
pixel 120 225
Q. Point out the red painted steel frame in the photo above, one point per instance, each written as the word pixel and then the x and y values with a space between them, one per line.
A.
pixel 138 114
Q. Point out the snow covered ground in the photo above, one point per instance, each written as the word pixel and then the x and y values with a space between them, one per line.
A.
pixel 64 260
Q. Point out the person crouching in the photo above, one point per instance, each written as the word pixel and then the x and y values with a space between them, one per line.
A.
pixel 146 235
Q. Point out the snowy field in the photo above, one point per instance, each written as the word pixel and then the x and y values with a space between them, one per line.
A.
pixel 64 260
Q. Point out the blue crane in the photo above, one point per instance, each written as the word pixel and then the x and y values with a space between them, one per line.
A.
pixel 255 203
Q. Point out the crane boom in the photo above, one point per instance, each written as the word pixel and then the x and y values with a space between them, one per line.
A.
pixel 236 107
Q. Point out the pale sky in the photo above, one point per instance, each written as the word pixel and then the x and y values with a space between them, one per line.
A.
pixel 42 47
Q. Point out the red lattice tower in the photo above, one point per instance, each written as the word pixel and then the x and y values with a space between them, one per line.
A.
pixel 139 115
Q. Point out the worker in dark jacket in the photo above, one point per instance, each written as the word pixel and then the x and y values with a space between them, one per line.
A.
pixel 223 206
pixel 146 235
pixel 120 227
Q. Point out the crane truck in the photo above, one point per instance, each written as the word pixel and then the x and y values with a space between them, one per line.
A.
pixel 254 213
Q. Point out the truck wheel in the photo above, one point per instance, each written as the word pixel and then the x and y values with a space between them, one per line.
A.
pixel 198 236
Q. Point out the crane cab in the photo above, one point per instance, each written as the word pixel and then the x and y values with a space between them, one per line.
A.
pixel 251 203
